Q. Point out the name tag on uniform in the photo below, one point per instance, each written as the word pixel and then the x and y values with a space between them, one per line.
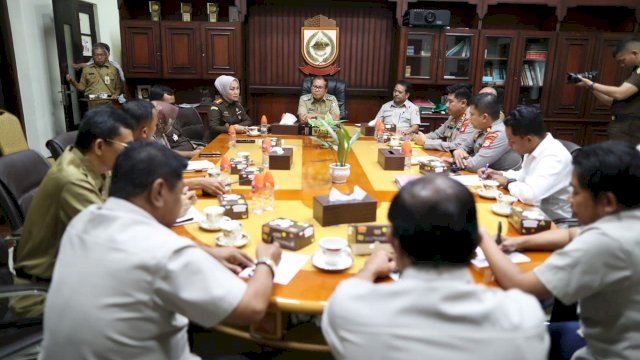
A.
pixel 107 80
pixel 175 137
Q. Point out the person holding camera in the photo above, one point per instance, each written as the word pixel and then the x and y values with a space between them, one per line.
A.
pixel 624 99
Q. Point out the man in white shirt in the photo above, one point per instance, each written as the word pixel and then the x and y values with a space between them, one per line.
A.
pixel 435 310
pixel 600 267
pixel 544 177
pixel 400 112
pixel 125 285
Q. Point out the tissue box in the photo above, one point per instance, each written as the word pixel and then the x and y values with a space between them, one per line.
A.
pixel 235 206
pixel 237 165
pixel 290 234
pixel 343 212
pixel 529 220
pixel 279 129
pixel 434 166
pixel 367 238
pixel 246 176
pixel 281 161
pixel 391 159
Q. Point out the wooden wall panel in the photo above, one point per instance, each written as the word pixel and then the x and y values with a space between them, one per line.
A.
pixel 366 45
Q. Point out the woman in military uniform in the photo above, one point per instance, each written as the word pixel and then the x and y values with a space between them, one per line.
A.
pixel 227 111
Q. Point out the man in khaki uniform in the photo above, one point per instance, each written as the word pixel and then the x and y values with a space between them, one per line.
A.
pixel 318 103
pixel 78 179
pixel 99 77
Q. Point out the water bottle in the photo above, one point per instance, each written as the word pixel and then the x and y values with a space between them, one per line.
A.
pixel 232 137
pixel 407 152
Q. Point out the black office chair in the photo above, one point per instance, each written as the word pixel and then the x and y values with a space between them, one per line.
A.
pixel 335 87
pixel 57 145
pixel 572 148
pixel 18 334
pixel 189 122
pixel 20 175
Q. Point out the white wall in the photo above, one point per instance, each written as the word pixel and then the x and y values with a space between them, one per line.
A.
pixel 34 43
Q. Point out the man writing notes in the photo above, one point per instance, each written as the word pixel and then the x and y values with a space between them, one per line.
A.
pixel 400 112
pixel 125 285
pixel 488 145
pixel 600 267
pixel 435 310
pixel 546 170
pixel 318 103
pixel 457 129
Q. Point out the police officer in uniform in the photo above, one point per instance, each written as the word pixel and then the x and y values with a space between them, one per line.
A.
pixel 318 103
pixel 489 145
pixel 99 77
pixel 227 111
pixel 457 129
pixel 624 99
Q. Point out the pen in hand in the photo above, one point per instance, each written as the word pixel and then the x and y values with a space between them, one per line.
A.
pixel 499 236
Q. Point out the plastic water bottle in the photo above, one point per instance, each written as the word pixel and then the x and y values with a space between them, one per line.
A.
pixel 407 152
pixel 266 150
pixel 232 137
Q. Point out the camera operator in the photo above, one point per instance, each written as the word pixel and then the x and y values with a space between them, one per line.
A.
pixel 624 99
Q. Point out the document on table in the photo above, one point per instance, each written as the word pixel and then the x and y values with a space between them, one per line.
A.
pixel 195 165
pixel 290 264
pixel 192 216
pixel 185 105
pixel 515 257
pixel 468 180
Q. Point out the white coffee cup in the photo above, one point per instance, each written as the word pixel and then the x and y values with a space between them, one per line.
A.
pixel 491 186
pixel 214 215
pixel 505 202
pixel 232 231
pixel 333 248
pixel 394 140
pixel 253 130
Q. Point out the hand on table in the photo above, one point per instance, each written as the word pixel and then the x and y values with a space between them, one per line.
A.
pixel 188 199
pixel 419 138
pixel 210 185
pixel 232 258
pixel 490 174
pixel 510 244
pixel 380 264
pixel 460 157
pixel 240 129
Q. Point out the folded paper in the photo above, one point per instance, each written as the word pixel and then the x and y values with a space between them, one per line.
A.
pixel 357 194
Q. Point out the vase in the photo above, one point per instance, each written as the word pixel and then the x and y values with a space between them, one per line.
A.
pixel 339 174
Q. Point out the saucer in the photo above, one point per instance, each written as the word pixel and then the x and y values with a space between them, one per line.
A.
pixel 204 225
pixel 253 134
pixel 499 210
pixel 318 260
pixel 222 241
pixel 487 194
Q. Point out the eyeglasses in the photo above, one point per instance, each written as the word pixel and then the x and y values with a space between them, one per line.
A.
pixel 124 145
pixel 316 87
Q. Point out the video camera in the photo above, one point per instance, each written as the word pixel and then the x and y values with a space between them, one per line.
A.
pixel 572 78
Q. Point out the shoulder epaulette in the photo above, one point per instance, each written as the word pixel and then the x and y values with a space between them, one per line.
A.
pixel 219 101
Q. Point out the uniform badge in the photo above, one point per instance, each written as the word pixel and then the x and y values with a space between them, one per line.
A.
pixel 107 80
pixel 489 139
pixel 175 137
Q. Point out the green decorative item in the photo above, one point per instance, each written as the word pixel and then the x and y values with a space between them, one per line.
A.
pixel 342 140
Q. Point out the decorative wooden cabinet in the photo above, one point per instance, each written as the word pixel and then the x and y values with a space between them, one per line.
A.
pixel 569 131
pixel 189 50
pixel 431 56
pixel 141 49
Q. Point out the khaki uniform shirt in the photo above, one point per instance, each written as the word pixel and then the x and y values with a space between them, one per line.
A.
pixel 491 147
pixel 222 114
pixel 328 104
pixel 70 186
pixel 631 105
pixel 402 117
pixel 91 79
pixel 452 134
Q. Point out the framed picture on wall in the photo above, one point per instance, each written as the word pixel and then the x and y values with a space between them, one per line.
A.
pixel 142 91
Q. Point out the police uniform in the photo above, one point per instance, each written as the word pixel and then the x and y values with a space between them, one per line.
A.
pixel 626 114
pixel 100 79
pixel 402 117
pixel 222 114
pixel 491 147
pixel 452 134
pixel 308 105
pixel 69 187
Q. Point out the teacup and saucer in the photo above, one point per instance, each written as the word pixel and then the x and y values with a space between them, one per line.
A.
pixel 214 218
pixel 489 189
pixel 334 254
pixel 503 206
pixel 232 234
pixel 394 141
pixel 253 131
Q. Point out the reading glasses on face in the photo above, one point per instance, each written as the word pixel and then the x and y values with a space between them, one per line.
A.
pixel 318 87
pixel 124 145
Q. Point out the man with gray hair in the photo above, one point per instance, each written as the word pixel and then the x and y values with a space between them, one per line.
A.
pixel 101 77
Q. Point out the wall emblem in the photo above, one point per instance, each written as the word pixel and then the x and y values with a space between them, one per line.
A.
pixel 319 46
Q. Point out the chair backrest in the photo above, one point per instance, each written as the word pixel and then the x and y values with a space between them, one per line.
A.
pixel 335 87
pixel 572 148
pixel 190 123
pixel 12 138
pixel 20 175
pixel 57 145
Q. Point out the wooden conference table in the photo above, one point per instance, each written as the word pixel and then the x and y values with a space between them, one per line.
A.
pixel 309 290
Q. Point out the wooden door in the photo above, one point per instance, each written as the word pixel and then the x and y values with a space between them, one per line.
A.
pixel 222 50
pixel 141 57
pixel 181 50
pixel 574 53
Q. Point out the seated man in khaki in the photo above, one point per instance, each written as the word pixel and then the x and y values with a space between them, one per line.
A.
pixel 318 103
pixel 78 179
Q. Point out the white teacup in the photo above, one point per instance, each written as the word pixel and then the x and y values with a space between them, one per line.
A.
pixel 394 140
pixel 232 231
pixel 333 248
pixel 490 186
pixel 245 155
pixel 253 130
pixel 214 215
pixel 505 202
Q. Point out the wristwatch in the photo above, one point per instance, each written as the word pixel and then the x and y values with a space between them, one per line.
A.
pixel 270 263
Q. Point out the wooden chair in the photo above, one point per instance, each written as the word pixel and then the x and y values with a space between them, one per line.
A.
pixel 12 137
pixel 57 145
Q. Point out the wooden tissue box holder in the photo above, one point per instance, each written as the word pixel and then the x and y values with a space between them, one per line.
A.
pixel 329 213
pixel 279 129
pixel 391 159
pixel 281 161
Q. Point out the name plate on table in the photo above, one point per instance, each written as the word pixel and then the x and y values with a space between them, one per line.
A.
pixel 281 161
pixel 391 159
pixel 279 129
pixel 368 238
pixel 290 234
pixel 235 206
pixel 529 221
pixel 329 213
